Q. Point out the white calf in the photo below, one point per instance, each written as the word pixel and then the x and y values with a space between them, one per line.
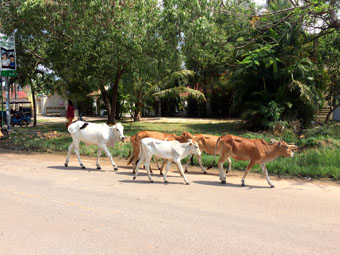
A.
pixel 173 151
pixel 98 134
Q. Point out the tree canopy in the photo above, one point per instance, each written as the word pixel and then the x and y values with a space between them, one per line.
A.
pixel 266 64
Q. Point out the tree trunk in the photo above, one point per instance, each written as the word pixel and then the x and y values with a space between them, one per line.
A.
pixel 34 107
pixel 139 106
pixel 208 106
pixel 112 119
pixel 106 101
pixel 138 111
pixel 159 108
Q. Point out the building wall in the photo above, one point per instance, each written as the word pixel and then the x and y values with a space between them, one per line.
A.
pixel 46 104
pixel 336 114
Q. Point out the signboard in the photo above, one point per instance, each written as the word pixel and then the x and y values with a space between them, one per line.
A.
pixel 8 65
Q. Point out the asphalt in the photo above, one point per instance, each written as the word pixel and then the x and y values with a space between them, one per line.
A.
pixel 49 209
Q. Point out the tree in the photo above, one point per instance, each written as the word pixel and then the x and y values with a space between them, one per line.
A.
pixel 277 79
pixel 329 60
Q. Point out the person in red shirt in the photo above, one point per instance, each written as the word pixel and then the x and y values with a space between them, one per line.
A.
pixel 69 113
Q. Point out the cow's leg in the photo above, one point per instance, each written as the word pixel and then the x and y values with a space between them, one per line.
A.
pixel 150 167
pixel 76 150
pixel 264 169
pixel 179 165
pixel 188 162
pixel 166 170
pixel 135 156
pixel 108 154
pixel 199 159
pixel 134 165
pixel 70 148
pixel 220 163
pixel 157 163
pixel 137 164
pixel 162 166
pixel 249 167
pixel 229 165
pixel 147 168
pixel 99 152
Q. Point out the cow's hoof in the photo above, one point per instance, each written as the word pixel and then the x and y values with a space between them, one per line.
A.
pixel 83 167
pixel 161 174
pixel 186 170
pixel 242 184
pixel 66 165
pixel 272 186
pixel 134 178
pixel 166 182
pixel 223 182
pixel 187 183
pixel 151 181
pixel 205 172
pixel 115 168
pixel 99 168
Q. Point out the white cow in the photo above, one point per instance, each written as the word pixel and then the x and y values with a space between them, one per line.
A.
pixel 173 151
pixel 98 134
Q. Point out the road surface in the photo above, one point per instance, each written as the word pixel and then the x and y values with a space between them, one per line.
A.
pixel 48 209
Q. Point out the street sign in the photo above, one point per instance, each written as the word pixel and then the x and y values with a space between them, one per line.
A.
pixel 8 65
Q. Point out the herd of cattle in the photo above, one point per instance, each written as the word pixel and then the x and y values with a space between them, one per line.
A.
pixel 173 148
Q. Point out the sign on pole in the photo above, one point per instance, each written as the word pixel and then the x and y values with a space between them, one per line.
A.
pixel 8 65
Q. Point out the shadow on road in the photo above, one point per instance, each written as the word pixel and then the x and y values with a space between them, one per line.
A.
pixel 74 168
pixel 146 181
pixel 216 183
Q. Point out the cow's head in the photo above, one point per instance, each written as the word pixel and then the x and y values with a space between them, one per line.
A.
pixel 195 149
pixel 285 150
pixel 184 137
pixel 118 132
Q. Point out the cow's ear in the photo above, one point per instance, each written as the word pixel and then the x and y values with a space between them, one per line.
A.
pixel 273 140
pixel 280 144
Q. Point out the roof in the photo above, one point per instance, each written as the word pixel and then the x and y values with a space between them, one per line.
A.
pixel 18 101
pixel 20 94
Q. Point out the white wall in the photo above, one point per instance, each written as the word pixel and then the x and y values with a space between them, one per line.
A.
pixel 51 101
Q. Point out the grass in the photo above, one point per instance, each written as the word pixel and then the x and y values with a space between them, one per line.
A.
pixel 319 156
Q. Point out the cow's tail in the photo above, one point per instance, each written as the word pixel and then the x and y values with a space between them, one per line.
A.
pixel 213 163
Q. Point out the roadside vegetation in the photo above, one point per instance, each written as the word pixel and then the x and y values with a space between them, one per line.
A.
pixel 319 155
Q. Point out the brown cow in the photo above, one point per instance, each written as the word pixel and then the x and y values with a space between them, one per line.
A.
pixel 135 141
pixel 257 151
pixel 206 144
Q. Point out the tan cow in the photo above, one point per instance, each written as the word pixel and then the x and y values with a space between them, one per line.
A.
pixel 206 144
pixel 135 141
pixel 257 151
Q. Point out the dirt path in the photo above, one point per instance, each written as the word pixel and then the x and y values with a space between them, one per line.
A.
pixel 49 209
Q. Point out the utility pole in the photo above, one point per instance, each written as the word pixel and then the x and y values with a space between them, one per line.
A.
pixel 2 105
pixel 8 113
pixel 7 68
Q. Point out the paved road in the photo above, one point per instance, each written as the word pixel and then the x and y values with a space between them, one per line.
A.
pixel 47 209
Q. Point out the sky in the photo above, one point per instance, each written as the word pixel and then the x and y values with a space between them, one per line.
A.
pixel 260 2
